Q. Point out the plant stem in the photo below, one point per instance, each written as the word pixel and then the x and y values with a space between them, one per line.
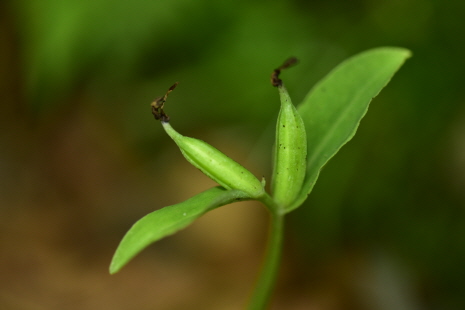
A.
pixel 269 271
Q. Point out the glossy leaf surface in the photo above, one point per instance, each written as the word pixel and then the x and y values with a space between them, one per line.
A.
pixel 215 164
pixel 334 107
pixel 168 220
pixel 289 154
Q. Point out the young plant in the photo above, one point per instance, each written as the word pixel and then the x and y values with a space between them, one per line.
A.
pixel 306 139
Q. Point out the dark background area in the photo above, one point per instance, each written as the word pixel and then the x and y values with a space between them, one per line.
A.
pixel 81 157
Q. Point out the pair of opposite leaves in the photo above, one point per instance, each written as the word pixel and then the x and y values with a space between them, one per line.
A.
pixel 326 120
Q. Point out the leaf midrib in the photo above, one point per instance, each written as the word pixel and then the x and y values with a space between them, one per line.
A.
pixel 322 145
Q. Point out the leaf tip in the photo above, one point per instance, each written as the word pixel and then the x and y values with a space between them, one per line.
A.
pixel 406 52
pixel 114 267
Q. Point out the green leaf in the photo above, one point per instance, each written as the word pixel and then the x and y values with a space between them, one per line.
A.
pixel 334 107
pixel 290 153
pixel 215 164
pixel 168 220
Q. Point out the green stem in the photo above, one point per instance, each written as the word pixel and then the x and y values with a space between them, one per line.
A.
pixel 270 268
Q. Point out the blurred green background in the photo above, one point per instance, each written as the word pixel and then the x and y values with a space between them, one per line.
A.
pixel 81 157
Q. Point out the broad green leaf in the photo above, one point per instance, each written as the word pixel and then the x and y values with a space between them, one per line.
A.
pixel 168 220
pixel 334 107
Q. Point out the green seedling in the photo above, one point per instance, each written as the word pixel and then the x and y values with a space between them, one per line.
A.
pixel 307 137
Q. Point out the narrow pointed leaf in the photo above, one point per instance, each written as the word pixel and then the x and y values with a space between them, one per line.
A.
pixel 168 220
pixel 334 107
pixel 290 153
pixel 215 164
